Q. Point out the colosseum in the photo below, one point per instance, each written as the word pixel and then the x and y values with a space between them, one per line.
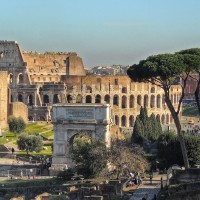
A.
pixel 41 80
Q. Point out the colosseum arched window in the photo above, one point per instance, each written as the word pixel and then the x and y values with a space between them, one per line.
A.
pixel 158 101
pixel 139 100
pixel 79 98
pixel 171 98
pixel 88 99
pixel 163 119
pixel 124 90
pixel 163 99
pixel 56 98
pixel 30 100
pixel 20 98
pixel 124 102
pixel 152 102
pixel 131 101
pixel 131 121
pixel 171 119
pixel 153 90
pixel 167 118
pixel 20 78
pixel 107 98
pixel 98 99
pixel 146 99
pixel 158 117
pixel 46 99
pixel 30 118
pixel 69 98
pixel 89 89
pixel 116 120
pixel 10 78
pixel 11 98
pixel 116 100
pixel 123 120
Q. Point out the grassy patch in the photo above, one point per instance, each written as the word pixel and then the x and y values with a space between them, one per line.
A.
pixel 30 182
pixel 47 134
pixel 38 128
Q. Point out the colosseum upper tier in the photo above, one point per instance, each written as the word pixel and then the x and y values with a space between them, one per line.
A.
pixel 41 80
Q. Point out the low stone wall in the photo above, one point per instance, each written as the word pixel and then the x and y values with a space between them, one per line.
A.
pixel 186 176
pixel 186 195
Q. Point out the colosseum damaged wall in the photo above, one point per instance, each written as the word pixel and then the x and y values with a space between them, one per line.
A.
pixel 42 80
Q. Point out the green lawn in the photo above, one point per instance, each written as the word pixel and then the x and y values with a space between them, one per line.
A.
pixel 33 128
pixel 38 127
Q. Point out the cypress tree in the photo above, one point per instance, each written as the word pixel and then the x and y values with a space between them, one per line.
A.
pixel 146 128
pixel 138 131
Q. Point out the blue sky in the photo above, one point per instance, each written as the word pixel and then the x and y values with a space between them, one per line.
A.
pixel 102 32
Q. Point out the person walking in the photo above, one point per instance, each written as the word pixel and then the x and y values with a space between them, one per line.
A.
pixel 150 178
pixel 13 150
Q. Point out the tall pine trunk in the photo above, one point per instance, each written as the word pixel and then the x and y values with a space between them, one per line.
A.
pixel 178 127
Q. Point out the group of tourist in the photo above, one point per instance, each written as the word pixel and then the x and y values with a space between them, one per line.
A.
pixel 134 179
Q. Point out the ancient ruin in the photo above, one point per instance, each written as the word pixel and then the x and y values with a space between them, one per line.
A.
pixel 41 80
pixel 72 119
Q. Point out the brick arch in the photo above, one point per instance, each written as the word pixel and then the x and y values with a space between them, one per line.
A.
pixel 167 118
pixel 158 101
pixel 124 90
pixel 146 100
pixel 116 119
pixel 69 98
pixel 98 98
pixel 158 117
pixel 46 99
pixel 30 99
pixel 163 119
pixel 115 100
pixel 152 101
pixel 139 100
pixel 131 121
pixel 153 90
pixel 56 98
pixel 124 101
pixel 88 99
pixel 107 98
pixel 131 102
pixel 20 78
pixel 123 121
pixel 20 98
pixel 10 78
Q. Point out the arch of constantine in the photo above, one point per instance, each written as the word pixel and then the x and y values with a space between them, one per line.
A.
pixel 72 119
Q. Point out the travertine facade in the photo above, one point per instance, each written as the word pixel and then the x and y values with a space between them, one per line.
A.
pixel 41 80
pixel 3 99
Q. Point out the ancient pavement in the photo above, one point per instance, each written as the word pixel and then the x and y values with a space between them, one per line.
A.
pixel 148 189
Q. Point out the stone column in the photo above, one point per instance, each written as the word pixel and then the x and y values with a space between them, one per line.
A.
pixel 35 98
pixel 120 102
pixel 83 99
pixel 128 101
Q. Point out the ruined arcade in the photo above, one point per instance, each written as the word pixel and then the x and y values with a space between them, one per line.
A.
pixel 40 80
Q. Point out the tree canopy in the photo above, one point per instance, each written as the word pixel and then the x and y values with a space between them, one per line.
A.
pixel 169 150
pixel 164 70
pixel 146 128
pixel 30 143
pixel 16 124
